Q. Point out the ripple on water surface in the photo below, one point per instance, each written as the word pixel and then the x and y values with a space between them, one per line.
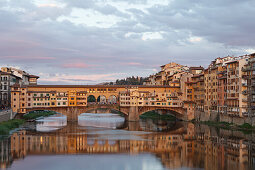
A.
pixel 51 123
pixel 105 120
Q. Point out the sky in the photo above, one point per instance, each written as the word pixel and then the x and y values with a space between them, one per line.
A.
pixel 91 41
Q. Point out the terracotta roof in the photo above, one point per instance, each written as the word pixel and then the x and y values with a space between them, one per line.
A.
pixel 5 73
pixel 233 61
pixel 33 76
pixel 196 68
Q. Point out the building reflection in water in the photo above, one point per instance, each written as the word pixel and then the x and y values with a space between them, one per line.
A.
pixel 185 146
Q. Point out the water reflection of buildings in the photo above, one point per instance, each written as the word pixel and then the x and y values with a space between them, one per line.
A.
pixel 196 147
pixel 5 153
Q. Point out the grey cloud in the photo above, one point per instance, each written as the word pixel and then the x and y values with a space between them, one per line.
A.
pixel 227 22
pixel 53 44
pixel 111 10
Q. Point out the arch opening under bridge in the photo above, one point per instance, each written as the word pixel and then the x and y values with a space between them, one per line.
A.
pixel 178 113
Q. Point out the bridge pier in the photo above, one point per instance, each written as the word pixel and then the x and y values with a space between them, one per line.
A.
pixel 133 114
pixel 72 114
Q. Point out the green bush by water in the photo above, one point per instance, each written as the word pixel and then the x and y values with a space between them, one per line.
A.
pixel 7 126
pixel 155 115
pixel 246 126
pixel 219 124
pixel 36 114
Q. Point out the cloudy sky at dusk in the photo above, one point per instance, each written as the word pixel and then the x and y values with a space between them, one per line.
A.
pixel 87 42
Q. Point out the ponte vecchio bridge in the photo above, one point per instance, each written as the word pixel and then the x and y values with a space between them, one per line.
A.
pixel 72 100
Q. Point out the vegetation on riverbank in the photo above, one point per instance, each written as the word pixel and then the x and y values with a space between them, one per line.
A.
pixel 224 125
pixel 7 126
pixel 155 115
pixel 229 126
pixel 36 114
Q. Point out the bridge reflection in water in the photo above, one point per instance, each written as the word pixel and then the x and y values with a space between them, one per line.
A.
pixel 178 145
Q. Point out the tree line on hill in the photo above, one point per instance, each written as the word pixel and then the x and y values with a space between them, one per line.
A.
pixel 129 81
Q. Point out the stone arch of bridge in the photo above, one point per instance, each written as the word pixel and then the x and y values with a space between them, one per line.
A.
pixel 113 110
pixel 73 112
pixel 179 113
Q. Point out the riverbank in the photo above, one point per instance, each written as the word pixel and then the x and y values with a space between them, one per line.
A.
pixel 37 114
pixel 7 126
pixel 155 115
pixel 228 126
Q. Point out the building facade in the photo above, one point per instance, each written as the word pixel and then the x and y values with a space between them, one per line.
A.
pixel 9 77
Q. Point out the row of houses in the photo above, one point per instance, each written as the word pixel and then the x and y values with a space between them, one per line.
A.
pixel 227 86
pixel 10 76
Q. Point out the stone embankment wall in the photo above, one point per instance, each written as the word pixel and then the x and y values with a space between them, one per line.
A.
pixel 237 120
pixel 215 116
pixel 206 116
pixel 6 115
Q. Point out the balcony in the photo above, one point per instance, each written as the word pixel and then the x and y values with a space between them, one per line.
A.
pixel 244 92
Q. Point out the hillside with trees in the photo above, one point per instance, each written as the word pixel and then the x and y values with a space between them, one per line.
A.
pixel 128 81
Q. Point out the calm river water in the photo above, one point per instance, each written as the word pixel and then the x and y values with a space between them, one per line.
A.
pixel 107 142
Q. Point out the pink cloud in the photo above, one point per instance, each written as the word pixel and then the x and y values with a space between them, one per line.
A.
pixel 133 64
pixel 75 65
pixel 80 78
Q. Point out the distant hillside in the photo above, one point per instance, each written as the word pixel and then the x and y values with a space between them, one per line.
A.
pixel 128 81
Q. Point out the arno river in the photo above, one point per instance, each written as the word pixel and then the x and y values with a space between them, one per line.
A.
pixel 106 142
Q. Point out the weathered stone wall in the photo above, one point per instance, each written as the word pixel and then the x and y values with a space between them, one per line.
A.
pixel 237 120
pixel 6 115
pixel 206 116
pixel 201 116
